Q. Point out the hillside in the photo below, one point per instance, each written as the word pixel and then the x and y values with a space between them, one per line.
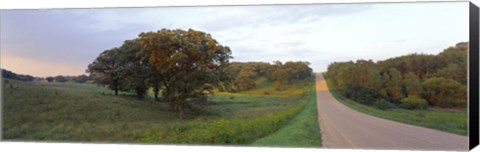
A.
pixel 90 113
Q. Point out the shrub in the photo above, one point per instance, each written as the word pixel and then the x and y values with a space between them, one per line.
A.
pixel 198 109
pixel 414 102
pixel 362 95
pixel 443 92
pixel 383 104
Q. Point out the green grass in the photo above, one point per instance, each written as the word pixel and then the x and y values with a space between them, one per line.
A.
pixel 301 131
pixel 448 120
pixel 75 112
pixel 90 113
pixel 247 106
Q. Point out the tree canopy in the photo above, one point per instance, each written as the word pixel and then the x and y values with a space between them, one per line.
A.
pixel 191 63
pixel 12 75
pixel 439 79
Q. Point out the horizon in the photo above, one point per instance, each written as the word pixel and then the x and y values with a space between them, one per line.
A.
pixel 54 42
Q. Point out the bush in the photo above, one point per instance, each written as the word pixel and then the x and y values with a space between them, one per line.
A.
pixel 362 95
pixel 383 104
pixel 443 92
pixel 414 102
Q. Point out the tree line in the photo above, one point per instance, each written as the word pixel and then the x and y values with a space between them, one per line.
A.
pixel 410 81
pixel 281 74
pixel 62 79
pixel 21 77
pixel 59 78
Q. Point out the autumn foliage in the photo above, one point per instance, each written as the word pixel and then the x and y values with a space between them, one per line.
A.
pixel 406 81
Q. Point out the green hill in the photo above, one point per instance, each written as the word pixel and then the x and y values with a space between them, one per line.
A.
pixel 91 113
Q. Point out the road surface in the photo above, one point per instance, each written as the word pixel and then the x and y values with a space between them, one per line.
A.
pixel 342 127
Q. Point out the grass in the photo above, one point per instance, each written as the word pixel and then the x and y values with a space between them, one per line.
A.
pixel 247 106
pixel 251 125
pixel 90 113
pixel 75 112
pixel 301 131
pixel 448 120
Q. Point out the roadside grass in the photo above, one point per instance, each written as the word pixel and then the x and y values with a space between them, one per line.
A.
pixel 247 106
pixel 448 120
pixel 90 113
pixel 301 131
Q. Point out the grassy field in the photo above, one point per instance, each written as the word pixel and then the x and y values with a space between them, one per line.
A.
pixel 304 126
pixel 90 113
pixel 449 120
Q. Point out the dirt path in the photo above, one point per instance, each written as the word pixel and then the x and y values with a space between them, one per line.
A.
pixel 342 127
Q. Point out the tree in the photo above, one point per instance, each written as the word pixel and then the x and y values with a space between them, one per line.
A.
pixel 453 63
pixel 334 69
pixel 455 72
pixel 444 92
pixel 280 79
pixel 154 80
pixel 297 70
pixel 60 78
pixel 279 75
pixel 49 79
pixel 105 69
pixel 412 84
pixel 393 84
pixel 11 75
pixel 192 63
pixel 359 80
pixel 81 78
pixel 246 78
pixel 132 69
pixel 421 65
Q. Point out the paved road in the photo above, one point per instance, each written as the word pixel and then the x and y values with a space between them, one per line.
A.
pixel 342 127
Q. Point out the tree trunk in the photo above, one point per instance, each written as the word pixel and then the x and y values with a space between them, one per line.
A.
pixel 156 90
pixel 140 93
pixel 181 112
pixel 116 92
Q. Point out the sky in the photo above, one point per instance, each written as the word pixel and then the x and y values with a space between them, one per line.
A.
pixel 53 42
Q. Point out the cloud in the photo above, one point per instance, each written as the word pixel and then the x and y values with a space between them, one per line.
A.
pixel 255 16
pixel 320 34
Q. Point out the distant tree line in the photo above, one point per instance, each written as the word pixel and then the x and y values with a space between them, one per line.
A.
pixel 60 78
pixel 281 74
pixel 411 81
pixel 11 75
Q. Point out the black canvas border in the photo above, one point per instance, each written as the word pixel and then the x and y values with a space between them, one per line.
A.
pixel 473 76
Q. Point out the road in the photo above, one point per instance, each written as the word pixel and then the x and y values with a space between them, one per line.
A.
pixel 342 127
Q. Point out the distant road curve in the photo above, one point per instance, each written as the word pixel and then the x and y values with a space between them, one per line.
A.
pixel 342 127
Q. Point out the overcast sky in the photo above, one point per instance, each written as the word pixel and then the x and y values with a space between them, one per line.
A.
pixel 65 41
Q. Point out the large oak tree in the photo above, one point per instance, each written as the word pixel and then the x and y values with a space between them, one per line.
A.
pixel 191 63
